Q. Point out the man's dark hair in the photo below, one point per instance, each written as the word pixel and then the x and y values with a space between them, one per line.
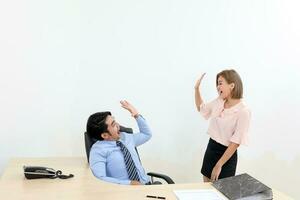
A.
pixel 96 124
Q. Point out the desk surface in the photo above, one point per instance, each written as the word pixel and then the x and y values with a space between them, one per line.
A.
pixel 84 185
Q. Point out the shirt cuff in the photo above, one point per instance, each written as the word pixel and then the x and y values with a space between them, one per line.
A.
pixel 139 116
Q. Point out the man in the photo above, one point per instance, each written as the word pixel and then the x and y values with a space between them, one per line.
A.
pixel 113 157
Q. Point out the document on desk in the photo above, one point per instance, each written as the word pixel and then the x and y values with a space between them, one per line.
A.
pixel 206 194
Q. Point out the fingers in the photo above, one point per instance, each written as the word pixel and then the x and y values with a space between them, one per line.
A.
pixel 215 173
pixel 198 82
pixel 212 178
pixel 124 104
pixel 201 77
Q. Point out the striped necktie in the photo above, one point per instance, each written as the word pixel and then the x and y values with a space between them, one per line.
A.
pixel 130 166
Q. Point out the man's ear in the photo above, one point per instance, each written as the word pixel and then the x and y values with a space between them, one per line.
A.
pixel 104 135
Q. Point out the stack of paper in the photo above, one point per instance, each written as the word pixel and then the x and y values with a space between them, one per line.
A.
pixel 207 194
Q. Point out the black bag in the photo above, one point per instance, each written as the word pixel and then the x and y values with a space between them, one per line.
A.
pixel 34 172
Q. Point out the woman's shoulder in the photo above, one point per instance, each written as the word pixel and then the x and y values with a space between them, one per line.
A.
pixel 244 110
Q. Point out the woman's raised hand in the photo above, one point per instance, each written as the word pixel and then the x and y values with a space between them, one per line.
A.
pixel 199 81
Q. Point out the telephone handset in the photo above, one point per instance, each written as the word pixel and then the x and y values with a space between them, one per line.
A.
pixel 34 172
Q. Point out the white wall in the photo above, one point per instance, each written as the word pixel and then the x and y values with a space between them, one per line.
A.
pixel 62 60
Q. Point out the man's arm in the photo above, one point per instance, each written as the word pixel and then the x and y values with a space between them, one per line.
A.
pixel 145 133
pixel 98 167
pixel 99 171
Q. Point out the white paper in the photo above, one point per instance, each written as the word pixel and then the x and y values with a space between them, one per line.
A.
pixel 207 194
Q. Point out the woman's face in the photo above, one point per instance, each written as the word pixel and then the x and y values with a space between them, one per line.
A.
pixel 224 89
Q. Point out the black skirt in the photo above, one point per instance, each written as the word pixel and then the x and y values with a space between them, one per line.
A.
pixel 213 153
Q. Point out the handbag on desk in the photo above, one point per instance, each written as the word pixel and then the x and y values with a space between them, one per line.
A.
pixel 35 172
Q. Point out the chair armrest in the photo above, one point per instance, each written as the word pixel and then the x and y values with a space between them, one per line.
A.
pixel 162 176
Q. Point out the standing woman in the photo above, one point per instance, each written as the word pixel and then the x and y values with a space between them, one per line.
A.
pixel 228 126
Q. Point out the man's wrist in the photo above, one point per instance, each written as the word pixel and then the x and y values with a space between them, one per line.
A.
pixel 135 115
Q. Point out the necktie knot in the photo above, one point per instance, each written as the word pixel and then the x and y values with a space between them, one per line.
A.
pixel 118 143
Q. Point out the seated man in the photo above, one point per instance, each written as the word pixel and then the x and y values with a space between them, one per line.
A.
pixel 113 157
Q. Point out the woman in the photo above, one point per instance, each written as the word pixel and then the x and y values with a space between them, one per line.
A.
pixel 228 126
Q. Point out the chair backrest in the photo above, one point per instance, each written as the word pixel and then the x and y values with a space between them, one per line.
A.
pixel 89 141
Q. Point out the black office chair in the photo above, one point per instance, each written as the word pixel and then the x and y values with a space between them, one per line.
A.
pixel 89 141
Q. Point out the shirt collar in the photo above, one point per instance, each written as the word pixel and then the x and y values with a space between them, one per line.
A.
pixel 235 108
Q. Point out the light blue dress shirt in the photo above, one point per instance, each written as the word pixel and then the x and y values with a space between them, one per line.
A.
pixel 107 161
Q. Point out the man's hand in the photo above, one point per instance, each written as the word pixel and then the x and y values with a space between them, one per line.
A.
pixel 216 172
pixel 199 81
pixel 135 183
pixel 125 104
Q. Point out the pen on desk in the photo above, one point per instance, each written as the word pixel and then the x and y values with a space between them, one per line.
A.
pixel 155 197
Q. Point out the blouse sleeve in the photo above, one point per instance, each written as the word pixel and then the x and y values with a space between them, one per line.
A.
pixel 240 135
pixel 206 109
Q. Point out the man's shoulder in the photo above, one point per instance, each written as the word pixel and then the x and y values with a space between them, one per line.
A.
pixel 101 148
pixel 99 145
pixel 126 136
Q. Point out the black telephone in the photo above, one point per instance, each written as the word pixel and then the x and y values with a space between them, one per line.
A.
pixel 34 172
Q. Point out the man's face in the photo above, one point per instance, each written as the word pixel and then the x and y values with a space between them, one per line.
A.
pixel 113 129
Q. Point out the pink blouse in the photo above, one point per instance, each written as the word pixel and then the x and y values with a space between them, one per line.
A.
pixel 227 125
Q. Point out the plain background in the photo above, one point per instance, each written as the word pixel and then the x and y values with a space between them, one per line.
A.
pixel 62 60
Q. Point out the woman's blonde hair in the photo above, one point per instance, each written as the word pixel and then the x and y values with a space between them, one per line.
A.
pixel 231 76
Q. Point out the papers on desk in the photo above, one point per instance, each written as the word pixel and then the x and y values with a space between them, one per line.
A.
pixel 198 194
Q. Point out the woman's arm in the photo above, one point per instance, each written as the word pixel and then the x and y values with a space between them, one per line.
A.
pixel 225 157
pixel 198 98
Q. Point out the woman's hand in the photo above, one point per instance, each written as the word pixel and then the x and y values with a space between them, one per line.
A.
pixel 225 157
pixel 199 81
pixel 216 172
pixel 133 111
pixel 198 99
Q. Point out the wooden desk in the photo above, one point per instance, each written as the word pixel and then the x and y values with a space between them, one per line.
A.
pixel 84 185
